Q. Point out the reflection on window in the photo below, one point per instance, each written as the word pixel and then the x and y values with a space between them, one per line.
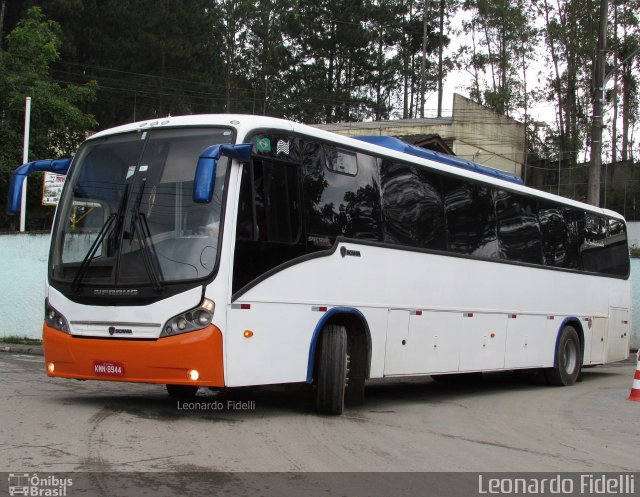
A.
pixel 342 205
pixel 518 229
pixel 470 216
pixel 412 206
pixel 554 240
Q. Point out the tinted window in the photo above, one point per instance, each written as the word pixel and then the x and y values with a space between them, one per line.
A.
pixel 518 228
pixel 617 249
pixel 554 239
pixel 604 249
pixel 339 204
pixel 269 227
pixel 574 221
pixel 470 217
pixel 413 211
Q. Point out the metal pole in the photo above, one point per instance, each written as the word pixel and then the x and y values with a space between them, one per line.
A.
pixel 25 159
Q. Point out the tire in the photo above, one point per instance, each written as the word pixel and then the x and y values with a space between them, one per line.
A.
pixel 182 391
pixel 332 370
pixel 568 359
pixel 356 372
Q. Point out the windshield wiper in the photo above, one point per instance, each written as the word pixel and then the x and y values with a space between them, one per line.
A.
pixel 140 228
pixel 75 285
pixel 90 255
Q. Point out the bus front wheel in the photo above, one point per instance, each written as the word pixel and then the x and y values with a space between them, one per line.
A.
pixel 568 359
pixel 332 370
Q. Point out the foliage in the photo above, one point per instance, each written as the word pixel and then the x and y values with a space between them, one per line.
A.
pixel 58 124
pixel 316 62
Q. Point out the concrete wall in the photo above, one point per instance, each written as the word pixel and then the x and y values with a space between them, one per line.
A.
pixel 23 271
pixel 486 137
pixel 23 274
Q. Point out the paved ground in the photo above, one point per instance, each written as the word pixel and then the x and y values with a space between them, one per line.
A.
pixel 504 423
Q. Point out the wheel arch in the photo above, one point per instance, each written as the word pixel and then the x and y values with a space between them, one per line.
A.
pixel 357 329
pixel 575 322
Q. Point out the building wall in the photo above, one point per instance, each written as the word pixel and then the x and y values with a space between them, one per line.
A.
pixel 475 132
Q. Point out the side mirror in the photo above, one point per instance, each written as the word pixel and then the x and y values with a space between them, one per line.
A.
pixel 205 177
pixel 58 166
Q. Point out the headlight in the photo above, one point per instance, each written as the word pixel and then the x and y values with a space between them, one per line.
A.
pixel 54 319
pixel 191 320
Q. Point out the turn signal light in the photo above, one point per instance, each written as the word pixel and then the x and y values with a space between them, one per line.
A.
pixel 194 375
pixel 248 333
pixel 51 367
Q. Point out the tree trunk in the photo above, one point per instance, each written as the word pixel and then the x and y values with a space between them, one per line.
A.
pixel 440 50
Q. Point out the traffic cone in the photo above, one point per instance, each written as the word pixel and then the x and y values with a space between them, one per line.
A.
pixel 635 388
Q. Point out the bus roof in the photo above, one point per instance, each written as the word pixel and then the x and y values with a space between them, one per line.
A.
pixel 381 146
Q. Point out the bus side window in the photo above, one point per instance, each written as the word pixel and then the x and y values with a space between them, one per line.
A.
pixel 594 250
pixel 246 223
pixel 617 249
pixel 574 220
pixel 340 204
pixel 413 211
pixel 471 220
pixel 554 242
pixel 268 228
pixel 518 228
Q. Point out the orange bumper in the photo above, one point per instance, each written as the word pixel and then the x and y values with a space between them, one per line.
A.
pixel 166 360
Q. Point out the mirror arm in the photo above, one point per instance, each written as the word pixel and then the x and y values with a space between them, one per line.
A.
pixel 58 166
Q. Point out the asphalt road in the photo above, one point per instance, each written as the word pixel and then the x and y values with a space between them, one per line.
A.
pixel 506 422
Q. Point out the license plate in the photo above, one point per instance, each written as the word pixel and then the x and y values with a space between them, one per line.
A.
pixel 108 368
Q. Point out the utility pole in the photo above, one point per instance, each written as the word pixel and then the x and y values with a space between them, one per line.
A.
pixel 593 189
pixel 25 159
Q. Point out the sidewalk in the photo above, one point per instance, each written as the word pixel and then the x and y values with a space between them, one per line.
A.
pixel 21 349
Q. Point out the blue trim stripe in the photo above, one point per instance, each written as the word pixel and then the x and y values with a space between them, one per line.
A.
pixel 450 160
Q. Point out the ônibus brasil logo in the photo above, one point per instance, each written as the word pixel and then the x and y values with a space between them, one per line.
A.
pixel 34 485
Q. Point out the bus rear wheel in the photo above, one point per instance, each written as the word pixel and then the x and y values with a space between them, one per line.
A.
pixel 568 359
pixel 182 391
pixel 332 370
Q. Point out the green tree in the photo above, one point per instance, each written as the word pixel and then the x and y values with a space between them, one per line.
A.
pixel 58 123
pixel 503 38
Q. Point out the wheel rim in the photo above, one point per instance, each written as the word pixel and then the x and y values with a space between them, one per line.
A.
pixel 570 356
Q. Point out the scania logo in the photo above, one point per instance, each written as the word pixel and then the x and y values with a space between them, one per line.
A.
pixel 120 331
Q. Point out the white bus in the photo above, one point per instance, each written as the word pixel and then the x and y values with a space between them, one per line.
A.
pixel 230 250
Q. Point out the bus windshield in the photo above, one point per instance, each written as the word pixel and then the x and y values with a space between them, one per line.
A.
pixel 127 216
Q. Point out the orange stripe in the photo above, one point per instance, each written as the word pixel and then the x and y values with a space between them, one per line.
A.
pixel 637 375
pixel 165 361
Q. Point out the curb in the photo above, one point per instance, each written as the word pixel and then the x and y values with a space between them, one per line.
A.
pixel 21 349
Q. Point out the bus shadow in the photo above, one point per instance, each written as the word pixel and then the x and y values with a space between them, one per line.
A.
pixel 236 405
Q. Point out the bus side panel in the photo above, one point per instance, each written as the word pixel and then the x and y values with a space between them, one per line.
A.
pixel 618 335
pixel 530 341
pixel 376 280
pixel 278 349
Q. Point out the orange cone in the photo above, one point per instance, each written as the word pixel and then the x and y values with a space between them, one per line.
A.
pixel 635 388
